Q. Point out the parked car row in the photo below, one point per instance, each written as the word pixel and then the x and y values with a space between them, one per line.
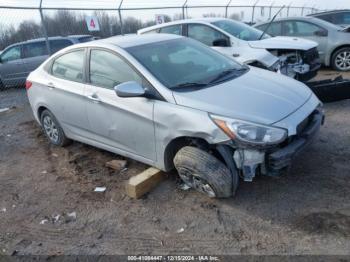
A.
pixel 19 59
pixel 294 57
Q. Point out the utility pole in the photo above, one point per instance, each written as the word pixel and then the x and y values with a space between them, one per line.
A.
pixel 44 28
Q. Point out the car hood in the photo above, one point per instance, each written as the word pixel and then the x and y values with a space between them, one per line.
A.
pixel 283 42
pixel 258 96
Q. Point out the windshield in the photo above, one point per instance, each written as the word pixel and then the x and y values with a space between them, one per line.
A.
pixel 240 30
pixel 182 63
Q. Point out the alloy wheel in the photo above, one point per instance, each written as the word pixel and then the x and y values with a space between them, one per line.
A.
pixel 50 129
pixel 342 60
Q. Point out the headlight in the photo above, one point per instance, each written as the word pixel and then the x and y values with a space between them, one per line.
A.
pixel 250 132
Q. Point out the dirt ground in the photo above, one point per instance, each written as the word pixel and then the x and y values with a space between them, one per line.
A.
pixel 41 186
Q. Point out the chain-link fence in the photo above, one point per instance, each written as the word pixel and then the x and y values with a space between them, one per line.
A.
pixel 32 19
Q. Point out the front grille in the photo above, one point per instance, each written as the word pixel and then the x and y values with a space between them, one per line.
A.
pixel 311 55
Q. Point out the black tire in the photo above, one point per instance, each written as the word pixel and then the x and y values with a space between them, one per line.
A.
pixel 56 136
pixel 203 172
pixel 337 55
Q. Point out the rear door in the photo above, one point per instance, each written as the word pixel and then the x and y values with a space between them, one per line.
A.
pixel 122 123
pixel 12 69
pixel 64 91
pixel 308 31
pixel 34 54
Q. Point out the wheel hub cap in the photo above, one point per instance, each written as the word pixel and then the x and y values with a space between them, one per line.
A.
pixel 50 129
pixel 197 182
pixel 342 60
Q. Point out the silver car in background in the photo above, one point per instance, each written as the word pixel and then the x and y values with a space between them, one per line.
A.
pixel 333 41
pixel 18 60
pixel 169 101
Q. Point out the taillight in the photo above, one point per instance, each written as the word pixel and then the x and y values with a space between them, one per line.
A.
pixel 28 84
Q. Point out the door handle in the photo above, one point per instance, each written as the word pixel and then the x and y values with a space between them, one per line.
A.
pixel 94 98
pixel 50 85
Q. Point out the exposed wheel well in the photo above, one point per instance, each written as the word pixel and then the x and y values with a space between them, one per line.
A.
pixel 40 111
pixel 335 50
pixel 175 145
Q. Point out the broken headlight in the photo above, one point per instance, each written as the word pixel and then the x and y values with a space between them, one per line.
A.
pixel 250 133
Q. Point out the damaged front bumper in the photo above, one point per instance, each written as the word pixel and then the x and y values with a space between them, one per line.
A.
pixel 272 161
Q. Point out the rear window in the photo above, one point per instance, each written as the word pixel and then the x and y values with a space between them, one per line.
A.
pixel 59 44
pixel 34 49
pixel 70 66
pixel 85 39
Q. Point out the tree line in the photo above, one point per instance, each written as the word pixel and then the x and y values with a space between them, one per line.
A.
pixel 65 22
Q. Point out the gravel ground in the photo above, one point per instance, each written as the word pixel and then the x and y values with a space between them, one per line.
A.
pixel 48 207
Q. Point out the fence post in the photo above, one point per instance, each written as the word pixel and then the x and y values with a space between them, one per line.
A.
pixel 302 10
pixel 226 8
pixel 120 18
pixel 288 9
pixel 183 9
pixel 254 11
pixel 271 10
pixel 44 28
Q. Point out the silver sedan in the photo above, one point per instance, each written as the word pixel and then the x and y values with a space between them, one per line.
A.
pixel 333 41
pixel 170 101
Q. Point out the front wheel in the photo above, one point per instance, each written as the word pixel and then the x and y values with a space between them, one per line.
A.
pixel 341 59
pixel 52 129
pixel 203 172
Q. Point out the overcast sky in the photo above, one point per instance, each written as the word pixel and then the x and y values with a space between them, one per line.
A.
pixel 8 16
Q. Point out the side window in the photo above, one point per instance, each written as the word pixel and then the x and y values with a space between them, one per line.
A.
pixel 275 29
pixel 300 28
pixel 56 45
pixel 174 29
pixel 34 49
pixel 13 53
pixel 306 29
pixel 289 28
pixel 204 34
pixel 328 17
pixel 70 66
pixel 108 70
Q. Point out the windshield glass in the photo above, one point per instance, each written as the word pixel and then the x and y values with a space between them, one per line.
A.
pixel 240 30
pixel 182 63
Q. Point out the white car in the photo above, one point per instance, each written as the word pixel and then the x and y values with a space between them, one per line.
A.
pixel 295 57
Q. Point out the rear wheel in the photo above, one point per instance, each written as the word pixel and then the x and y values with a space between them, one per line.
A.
pixel 341 59
pixel 203 172
pixel 52 129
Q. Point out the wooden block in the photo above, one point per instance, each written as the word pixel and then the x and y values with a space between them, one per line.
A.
pixel 144 182
pixel 116 164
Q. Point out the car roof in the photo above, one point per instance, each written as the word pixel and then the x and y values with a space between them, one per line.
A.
pixel 204 20
pixel 50 38
pixel 315 20
pixel 330 12
pixel 132 40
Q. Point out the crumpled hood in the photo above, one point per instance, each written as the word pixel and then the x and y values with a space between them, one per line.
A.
pixel 258 96
pixel 283 42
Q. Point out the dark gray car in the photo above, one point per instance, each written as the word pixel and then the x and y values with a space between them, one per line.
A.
pixel 18 60
pixel 337 17
pixel 333 41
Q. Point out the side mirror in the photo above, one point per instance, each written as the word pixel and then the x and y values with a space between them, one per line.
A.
pixel 221 42
pixel 321 33
pixel 129 89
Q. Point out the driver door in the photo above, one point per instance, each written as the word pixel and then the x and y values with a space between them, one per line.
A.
pixel 125 124
pixel 12 69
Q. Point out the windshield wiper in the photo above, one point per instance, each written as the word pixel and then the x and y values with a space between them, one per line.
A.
pixel 188 84
pixel 269 24
pixel 225 73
